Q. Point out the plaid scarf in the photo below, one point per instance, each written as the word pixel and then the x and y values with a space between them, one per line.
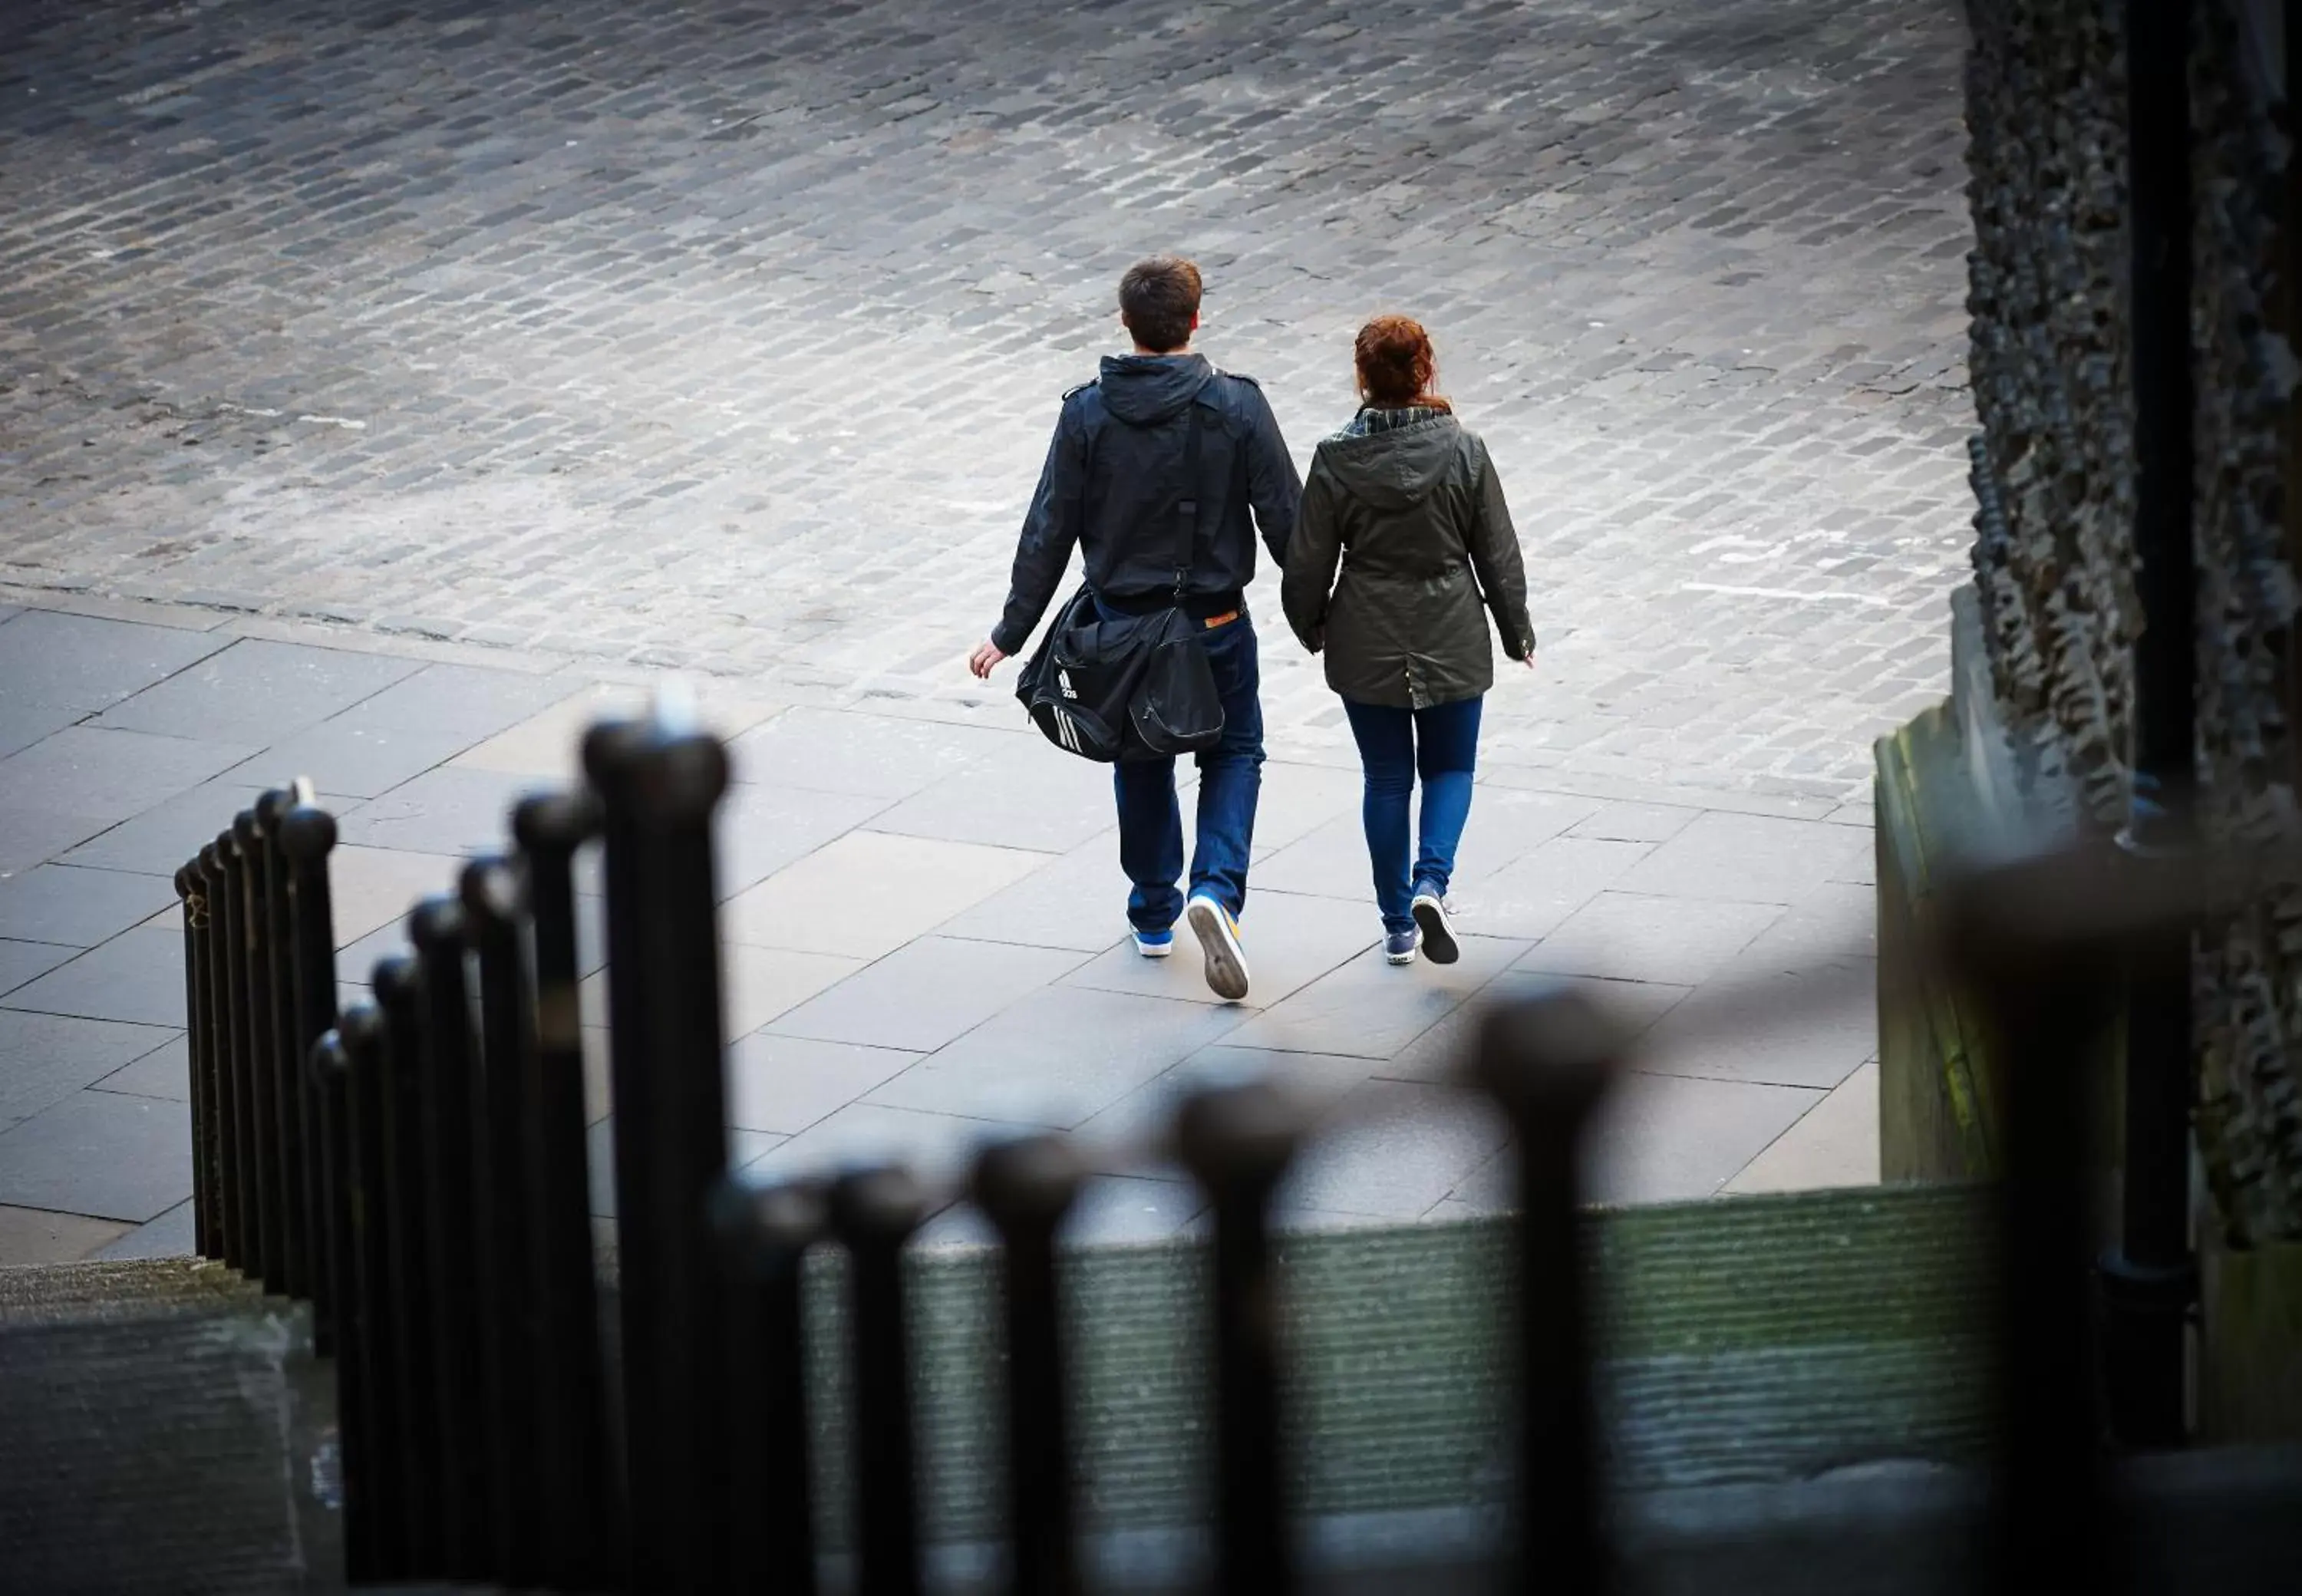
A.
pixel 1370 421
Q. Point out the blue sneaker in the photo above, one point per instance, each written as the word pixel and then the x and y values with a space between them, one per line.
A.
pixel 1430 911
pixel 1399 946
pixel 1218 936
pixel 1155 944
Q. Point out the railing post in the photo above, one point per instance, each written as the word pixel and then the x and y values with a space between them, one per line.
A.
pixel 610 751
pixel 489 892
pixel 581 1525
pixel 455 1177
pixel 307 837
pixel 222 1139
pixel 371 1354
pixel 1025 1187
pixel 191 887
pixel 286 1051
pixel 1547 1062
pixel 766 1232
pixel 874 1212
pixel 1237 1141
pixel 415 1270
pixel 337 1216
pixel 260 1112
pixel 240 1146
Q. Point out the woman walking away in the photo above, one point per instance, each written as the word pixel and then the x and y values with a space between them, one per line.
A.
pixel 1406 499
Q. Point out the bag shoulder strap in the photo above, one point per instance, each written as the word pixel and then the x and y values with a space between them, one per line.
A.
pixel 1187 507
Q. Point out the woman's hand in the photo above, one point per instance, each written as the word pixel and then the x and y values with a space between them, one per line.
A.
pixel 981 661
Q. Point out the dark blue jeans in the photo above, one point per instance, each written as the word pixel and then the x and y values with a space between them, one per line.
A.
pixel 1441 745
pixel 1230 776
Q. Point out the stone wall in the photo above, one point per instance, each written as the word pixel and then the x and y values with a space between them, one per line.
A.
pixel 2052 476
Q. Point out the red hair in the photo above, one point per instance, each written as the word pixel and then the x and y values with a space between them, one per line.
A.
pixel 1397 365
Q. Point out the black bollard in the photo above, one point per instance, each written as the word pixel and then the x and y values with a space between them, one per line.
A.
pixel 1237 1141
pixel 874 1212
pixel 307 837
pixel 1546 1064
pixel 215 1016
pixel 413 1269
pixel 675 783
pixel 289 1049
pixel 367 1352
pixel 454 1176
pixel 246 1192
pixel 1025 1187
pixel 490 893
pixel 191 887
pixel 581 1515
pixel 260 1110
pixel 767 1517
pixel 343 1194
pixel 610 751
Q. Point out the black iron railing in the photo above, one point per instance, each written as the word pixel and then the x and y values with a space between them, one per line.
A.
pixel 415 1167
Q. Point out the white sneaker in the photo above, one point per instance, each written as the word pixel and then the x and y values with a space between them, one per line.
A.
pixel 1155 945
pixel 1218 936
pixel 1430 911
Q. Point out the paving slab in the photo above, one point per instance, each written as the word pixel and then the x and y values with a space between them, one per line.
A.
pixel 1394 1149
pixel 743 1147
pixel 757 985
pixel 877 756
pixel 787 1083
pixel 165 1071
pixel 759 829
pixel 1834 1143
pixel 1077 900
pixel 342 756
pixel 870 893
pixel 67 903
pixel 159 838
pixel 22 724
pixel 1374 1008
pixel 370 888
pixel 930 992
pixel 463 702
pixel 100 1153
pixel 170 1236
pixel 256 692
pixel 44 1058
pixel 1037 798
pixel 1291 941
pixel 1442 1051
pixel 1535 894
pixel 1627 936
pixel 1058 1055
pixel 78 663
pixel 31 833
pixel 446 811
pixel 20 961
pixel 548 745
pixel 1634 822
pixel 1749 859
pixel 38 1236
pixel 136 976
pixel 110 775
pixel 937 1145
pixel 1296 800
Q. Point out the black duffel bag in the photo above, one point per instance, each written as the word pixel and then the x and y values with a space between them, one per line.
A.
pixel 1133 686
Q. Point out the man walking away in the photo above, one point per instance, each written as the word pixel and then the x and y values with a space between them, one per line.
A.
pixel 1114 483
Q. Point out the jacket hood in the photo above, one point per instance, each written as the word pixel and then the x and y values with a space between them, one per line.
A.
pixel 1147 389
pixel 1394 469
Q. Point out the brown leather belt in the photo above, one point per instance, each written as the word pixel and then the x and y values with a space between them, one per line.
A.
pixel 1224 620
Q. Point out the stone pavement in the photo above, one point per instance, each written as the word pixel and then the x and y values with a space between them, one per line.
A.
pixel 924 936
pixel 727 335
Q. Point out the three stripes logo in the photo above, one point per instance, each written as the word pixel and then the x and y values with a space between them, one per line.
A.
pixel 1066 729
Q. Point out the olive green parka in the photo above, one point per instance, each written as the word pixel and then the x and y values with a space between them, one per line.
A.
pixel 1416 516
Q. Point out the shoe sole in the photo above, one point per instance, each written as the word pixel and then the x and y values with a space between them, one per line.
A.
pixel 1156 950
pixel 1438 944
pixel 1408 957
pixel 1226 963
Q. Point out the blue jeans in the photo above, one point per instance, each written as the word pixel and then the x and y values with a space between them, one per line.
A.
pixel 1230 776
pixel 1440 744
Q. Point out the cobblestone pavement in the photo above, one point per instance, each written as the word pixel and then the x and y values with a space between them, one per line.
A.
pixel 728 336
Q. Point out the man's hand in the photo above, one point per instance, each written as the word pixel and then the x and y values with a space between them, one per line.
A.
pixel 981 661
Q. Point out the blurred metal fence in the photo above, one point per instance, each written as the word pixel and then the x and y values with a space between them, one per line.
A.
pixel 416 1168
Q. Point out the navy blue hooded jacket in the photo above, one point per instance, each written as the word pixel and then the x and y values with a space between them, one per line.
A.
pixel 1112 485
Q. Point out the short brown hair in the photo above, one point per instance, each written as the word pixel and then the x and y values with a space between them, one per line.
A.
pixel 1159 299
pixel 1397 365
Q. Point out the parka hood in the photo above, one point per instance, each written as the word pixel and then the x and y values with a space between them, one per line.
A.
pixel 1393 469
pixel 1148 389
